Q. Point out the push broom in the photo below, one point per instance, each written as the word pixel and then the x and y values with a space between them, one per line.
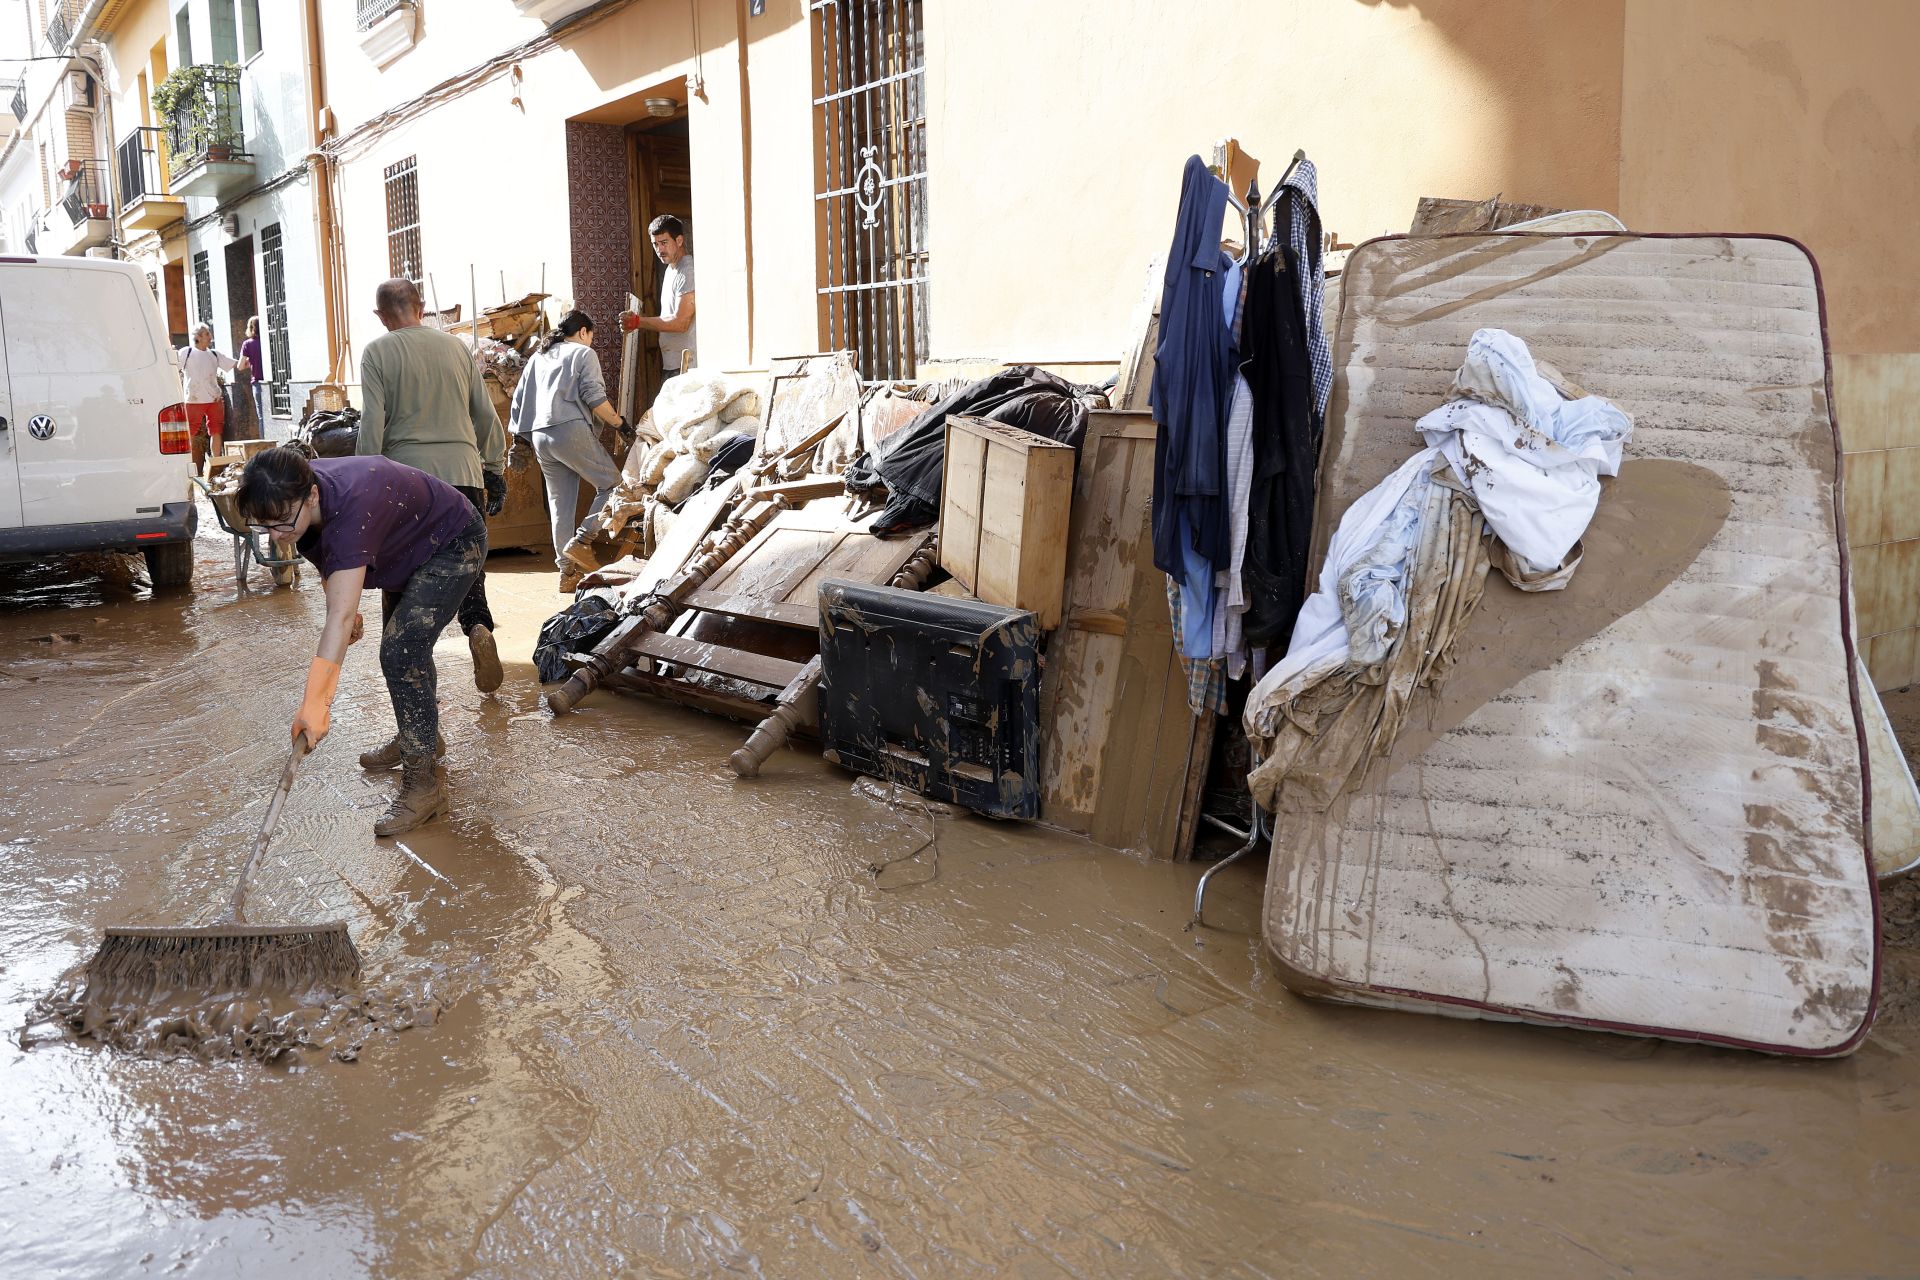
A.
pixel 136 965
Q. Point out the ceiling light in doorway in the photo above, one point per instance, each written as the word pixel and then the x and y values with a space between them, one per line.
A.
pixel 661 107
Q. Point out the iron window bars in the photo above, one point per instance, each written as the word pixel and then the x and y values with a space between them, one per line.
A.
pixel 870 122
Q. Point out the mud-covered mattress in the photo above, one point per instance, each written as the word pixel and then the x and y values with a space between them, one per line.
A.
pixel 1640 803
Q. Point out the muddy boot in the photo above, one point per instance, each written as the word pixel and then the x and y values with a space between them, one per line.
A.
pixel 422 798
pixel 487 674
pixel 388 757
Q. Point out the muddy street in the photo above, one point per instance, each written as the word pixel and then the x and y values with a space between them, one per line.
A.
pixel 671 1023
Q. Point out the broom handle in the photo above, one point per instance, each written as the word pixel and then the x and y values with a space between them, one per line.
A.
pixel 300 748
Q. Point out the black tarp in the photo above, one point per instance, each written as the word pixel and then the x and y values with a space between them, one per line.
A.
pixel 909 464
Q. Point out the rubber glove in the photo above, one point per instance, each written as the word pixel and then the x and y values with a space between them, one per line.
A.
pixel 496 491
pixel 315 716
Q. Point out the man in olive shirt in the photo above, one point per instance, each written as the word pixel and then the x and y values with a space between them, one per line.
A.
pixel 422 402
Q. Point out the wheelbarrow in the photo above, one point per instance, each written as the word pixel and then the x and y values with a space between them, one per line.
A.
pixel 274 555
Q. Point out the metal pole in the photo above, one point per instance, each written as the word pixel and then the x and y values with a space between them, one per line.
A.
pixel 1253 839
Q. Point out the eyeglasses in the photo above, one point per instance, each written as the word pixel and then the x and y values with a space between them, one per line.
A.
pixel 277 526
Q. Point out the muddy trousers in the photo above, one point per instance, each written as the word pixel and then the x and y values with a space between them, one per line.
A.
pixel 415 616
pixel 568 454
pixel 474 609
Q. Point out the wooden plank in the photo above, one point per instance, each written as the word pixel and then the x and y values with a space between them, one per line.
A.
pixel 695 521
pixel 738 663
pixel 734 606
pixel 962 487
pixel 630 366
pixel 863 558
pixel 776 560
pixel 1043 536
pixel 1118 755
pixel 634 680
pixel 1003 506
pixel 799 491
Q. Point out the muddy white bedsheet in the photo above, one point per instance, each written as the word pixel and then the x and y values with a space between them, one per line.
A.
pixel 1638 804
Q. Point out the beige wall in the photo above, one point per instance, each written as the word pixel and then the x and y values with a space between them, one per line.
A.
pixel 1058 131
pixel 1791 117
pixel 1804 119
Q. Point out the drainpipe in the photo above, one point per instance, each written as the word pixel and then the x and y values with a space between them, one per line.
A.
pixel 322 167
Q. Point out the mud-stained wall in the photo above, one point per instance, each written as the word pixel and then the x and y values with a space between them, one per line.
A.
pixel 1777 115
pixel 1057 131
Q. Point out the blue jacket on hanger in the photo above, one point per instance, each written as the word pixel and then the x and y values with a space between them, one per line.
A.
pixel 1192 380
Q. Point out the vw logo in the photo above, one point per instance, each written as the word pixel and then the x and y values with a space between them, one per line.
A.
pixel 40 427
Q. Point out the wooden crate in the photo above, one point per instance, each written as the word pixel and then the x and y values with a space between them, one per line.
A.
pixel 1005 501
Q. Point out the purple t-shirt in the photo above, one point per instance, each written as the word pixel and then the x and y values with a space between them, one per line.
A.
pixel 250 352
pixel 382 514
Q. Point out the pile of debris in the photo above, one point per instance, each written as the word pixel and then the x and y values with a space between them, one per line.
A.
pixel 764 553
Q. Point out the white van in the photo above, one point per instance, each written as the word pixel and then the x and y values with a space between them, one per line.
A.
pixel 94 454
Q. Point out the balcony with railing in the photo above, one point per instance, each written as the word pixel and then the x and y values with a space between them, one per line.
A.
pixel 86 199
pixel 63 19
pixel 19 104
pixel 388 28
pixel 206 144
pixel 147 200
pixel 33 235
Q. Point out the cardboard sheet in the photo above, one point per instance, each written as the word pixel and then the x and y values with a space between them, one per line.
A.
pixel 1639 804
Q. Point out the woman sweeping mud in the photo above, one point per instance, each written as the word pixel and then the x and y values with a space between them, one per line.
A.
pixel 371 522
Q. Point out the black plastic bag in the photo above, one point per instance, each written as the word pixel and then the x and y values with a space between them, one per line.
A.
pixel 575 629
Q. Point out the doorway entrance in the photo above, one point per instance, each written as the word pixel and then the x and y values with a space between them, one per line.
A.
pixel 628 162
pixel 661 168
pixel 242 299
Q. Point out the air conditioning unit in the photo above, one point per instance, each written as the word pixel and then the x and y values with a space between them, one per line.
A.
pixel 100 251
pixel 79 91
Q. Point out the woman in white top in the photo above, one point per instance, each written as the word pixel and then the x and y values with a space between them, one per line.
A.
pixel 560 393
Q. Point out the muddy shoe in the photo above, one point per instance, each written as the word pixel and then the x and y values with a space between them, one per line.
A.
pixel 487 674
pixel 422 798
pixel 388 757
pixel 570 580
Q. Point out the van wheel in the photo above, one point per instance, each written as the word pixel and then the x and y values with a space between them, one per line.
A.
pixel 170 565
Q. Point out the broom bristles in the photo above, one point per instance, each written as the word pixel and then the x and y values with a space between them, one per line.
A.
pixel 134 963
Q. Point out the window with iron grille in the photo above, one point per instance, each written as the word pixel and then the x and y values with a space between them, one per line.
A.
pixel 279 346
pixel 870 124
pixel 202 289
pixel 403 219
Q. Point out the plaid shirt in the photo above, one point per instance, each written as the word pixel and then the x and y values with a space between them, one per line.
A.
pixel 1206 677
pixel 1301 193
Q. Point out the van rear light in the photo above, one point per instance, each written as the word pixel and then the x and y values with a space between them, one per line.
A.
pixel 173 430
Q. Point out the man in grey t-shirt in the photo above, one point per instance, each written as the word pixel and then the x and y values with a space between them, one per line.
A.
pixel 674 324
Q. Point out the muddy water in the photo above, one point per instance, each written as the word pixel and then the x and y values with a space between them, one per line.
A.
pixel 680 1031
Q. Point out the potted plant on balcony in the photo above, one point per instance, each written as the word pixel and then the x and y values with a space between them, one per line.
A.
pixel 187 99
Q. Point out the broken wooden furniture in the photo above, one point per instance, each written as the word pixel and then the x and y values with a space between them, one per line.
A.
pixel 1124 758
pixel 1005 499
pixel 726 634
pixel 619 648
pixel 797 705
